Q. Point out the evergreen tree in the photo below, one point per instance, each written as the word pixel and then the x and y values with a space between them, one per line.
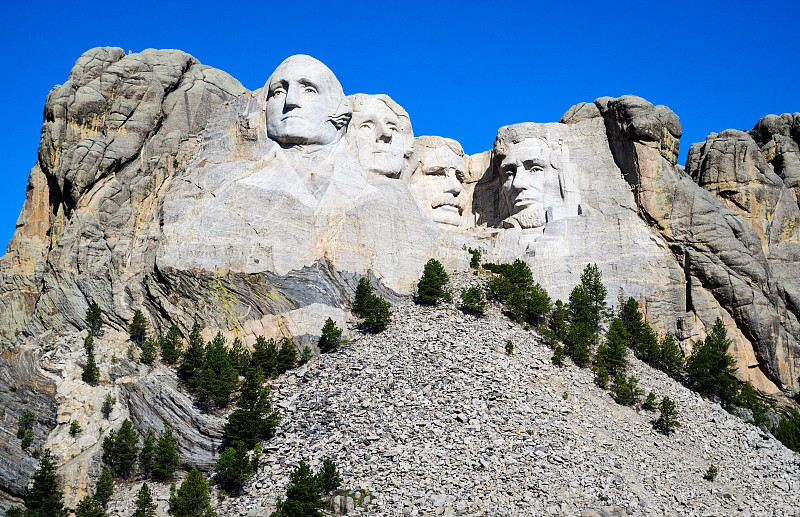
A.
pixel 650 402
pixel 581 334
pixel 147 453
pixel 218 378
pixel 265 356
pixel 25 423
pixel 625 391
pixel 149 351
pixel 558 355
pixel 104 487
pixel 88 343
pixel 171 345
pixel 138 327
pixel 671 357
pixel 668 419
pixel 592 284
pixel 432 285
pixel 475 258
pixel 306 355
pixel 788 430
pixel 302 495
pixel 287 356
pixel 328 476
pixel 473 301
pixel 559 320
pixel 192 498
pixel 74 428
pixel 15 511
pixel 363 292
pixel 612 353
pixel 378 316
pixel 601 377
pixel 331 337
pixel 166 457
pixel 94 319
pixel 749 398
pixel 239 356
pixel 91 372
pixel 233 468
pixel 145 506
pixel 45 496
pixel 254 418
pixel 108 405
pixel 120 449
pixel 88 507
pixel 193 359
pixel 711 368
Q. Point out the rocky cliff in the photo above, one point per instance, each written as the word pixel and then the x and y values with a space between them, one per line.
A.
pixel 163 184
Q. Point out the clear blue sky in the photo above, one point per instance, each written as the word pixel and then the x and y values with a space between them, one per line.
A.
pixel 461 70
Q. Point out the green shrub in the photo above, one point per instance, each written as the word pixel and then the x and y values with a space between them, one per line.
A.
pixel 233 469
pixel 711 473
pixel 287 356
pixel 192 498
pixel 138 327
pixel 668 419
pixel 91 372
pixel 120 449
pixel 104 487
pixel 626 391
pixel 711 368
pixel 149 351
pixel 108 405
pixel 254 418
pixel 166 457
pixel 650 402
pixel 750 399
pixel 475 259
pixel 94 319
pixel 601 377
pixel 431 288
pixel 788 429
pixel 331 337
pixel 171 345
pixel 473 301
pixel 558 355
pixel 144 506
pixel 88 507
pixel 74 428
pixel 265 356
pixel 509 347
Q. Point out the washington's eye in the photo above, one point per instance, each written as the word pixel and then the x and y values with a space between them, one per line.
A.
pixel 277 91
pixel 310 89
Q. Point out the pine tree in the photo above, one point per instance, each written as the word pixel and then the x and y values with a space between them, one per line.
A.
pixel 138 327
pixel 559 320
pixel 88 507
pixel 120 449
pixel 171 345
pixel 94 319
pixel 592 283
pixel 788 430
pixel 192 498
pixel 668 419
pixel 328 476
pixel 671 358
pixel 287 356
pixel 193 359
pixel 431 286
pixel 108 405
pixel 473 301
pixel 626 391
pixel 88 343
pixel 147 453
pixel 711 368
pixel 15 511
pixel 239 356
pixel 302 495
pixel 254 418
pixel 91 372
pixel 331 337
pixel 45 496
pixel 233 468
pixel 612 353
pixel 363 292
pixel 265 356
pixel 749 398
pixel 378 316
pixel 149 351
pixel 104 487
pixel 218 378
pixel 166 457
pixel 145 506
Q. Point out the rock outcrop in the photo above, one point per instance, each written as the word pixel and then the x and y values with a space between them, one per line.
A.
pixel 164 185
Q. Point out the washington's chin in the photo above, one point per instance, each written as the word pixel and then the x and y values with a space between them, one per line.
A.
pixel 296 130
pixel 447 214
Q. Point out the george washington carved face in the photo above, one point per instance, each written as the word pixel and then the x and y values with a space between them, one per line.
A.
pixel 305 103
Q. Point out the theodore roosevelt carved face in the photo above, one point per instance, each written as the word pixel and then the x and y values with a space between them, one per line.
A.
pixel 305 103
pixel 380 134
pixel 532 180
pixel 437 182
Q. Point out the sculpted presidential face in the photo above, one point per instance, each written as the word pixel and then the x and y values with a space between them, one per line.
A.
pixel 531 181
pixel 305 103
pixel 380 134
pixel 437 184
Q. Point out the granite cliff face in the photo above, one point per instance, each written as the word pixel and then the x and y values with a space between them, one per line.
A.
pixel 163 184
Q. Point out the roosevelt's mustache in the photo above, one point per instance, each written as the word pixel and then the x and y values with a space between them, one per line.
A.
pixel 446 198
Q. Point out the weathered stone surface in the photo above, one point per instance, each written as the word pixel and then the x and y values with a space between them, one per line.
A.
pixel 779 138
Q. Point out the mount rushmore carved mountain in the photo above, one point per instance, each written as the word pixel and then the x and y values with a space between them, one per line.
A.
pixel 165 185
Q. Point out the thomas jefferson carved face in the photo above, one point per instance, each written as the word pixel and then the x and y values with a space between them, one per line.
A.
pixel 305 103
pixel 381 147
pixel 437 183
pixel 531 182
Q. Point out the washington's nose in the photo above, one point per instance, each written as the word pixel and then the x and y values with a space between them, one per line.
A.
pixel 452 185
pixel 292 99
pixel 384 133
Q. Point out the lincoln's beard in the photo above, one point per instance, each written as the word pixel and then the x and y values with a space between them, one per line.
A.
pixel 531 217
